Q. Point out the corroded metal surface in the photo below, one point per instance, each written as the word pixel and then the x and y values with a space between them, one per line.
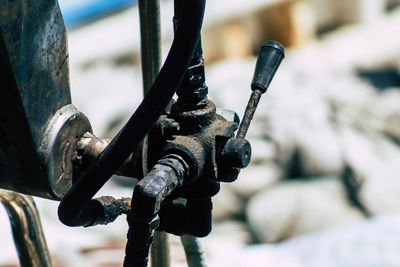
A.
pixel 109 208
pixel 27 229
pixel 89 148
pixel 34 94
pixel 249 113
pixel 74 203
pixel 59 148
pixel 34 38
pixel 162 179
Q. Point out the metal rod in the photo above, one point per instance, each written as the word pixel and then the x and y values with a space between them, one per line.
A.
pixel 194 251
pixel 149 12
pixel 150 39
pixel 160 256
pixel 268 61
pixel 249 113
pixel 27 230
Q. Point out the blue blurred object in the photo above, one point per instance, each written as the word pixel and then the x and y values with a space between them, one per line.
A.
pixel 76 12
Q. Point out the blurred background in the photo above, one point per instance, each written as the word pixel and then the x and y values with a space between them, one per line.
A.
pixel 323 187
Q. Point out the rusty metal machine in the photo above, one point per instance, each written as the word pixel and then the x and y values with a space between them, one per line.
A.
pixel 179 150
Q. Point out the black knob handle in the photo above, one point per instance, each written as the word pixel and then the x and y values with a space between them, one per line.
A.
pixel 270 57
pixel 236 153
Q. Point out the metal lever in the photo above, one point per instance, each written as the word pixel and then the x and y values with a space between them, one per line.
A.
pixel 236 153
pixel 268 61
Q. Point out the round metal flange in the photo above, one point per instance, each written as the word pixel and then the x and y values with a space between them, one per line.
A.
pixel 59 146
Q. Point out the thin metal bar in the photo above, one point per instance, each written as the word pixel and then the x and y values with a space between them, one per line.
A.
pixel 150 36
pixel 27 229
pixel 149 12
pixel 194 251
pixel 160 256
pixel 268 61
pixel 249 113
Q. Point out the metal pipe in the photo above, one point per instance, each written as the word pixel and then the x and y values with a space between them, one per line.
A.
pixel 194 251
pixel 74 209
pixel 26 228
pixel 160 256
pixel 150 39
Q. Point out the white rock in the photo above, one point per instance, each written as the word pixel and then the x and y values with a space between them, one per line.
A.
pixel 256 178
pixel 104 92
pixel 388 111
pixel 226 204
pixel 262 151
pixel 254 255
pixel 375 160
pixel 319 149
pixel 374 242
pixel 232 231
pixel 293 208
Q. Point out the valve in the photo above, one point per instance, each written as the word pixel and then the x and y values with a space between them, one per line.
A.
pixel 237 151
pixel 190 146
pixel 191 161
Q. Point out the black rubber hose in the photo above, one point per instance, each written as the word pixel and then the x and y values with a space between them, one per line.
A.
pixel 162 179
pixel 75 208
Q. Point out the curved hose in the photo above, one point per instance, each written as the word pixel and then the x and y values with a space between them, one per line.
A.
pixel 75 208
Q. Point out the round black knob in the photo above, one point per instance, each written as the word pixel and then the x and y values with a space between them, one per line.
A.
pixel 236 153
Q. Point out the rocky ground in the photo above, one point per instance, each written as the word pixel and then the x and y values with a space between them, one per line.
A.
pixel 322 188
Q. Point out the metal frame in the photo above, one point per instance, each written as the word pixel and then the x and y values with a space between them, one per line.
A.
pixel 27 229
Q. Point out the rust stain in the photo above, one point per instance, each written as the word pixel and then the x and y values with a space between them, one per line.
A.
pixel 30 82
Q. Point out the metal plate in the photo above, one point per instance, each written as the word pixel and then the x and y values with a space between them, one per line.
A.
pixel 34 86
